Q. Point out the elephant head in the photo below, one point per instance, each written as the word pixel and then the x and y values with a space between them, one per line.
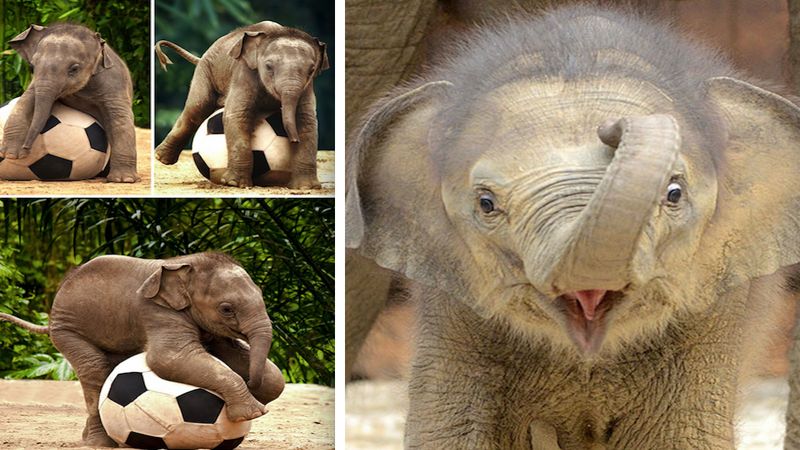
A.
pixel 589 210
pixel 63 58
pixel 220 297
pixel 286 62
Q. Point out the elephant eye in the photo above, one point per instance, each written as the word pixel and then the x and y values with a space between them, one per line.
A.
pixel 674 192
pixel 73 69
pixel 226 309
pixel 486 202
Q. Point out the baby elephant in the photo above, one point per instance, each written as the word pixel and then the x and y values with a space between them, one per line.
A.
pixel 252 72
pixel 181 311
pixel 73 64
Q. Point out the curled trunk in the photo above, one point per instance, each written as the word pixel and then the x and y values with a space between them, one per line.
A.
pixel 601 243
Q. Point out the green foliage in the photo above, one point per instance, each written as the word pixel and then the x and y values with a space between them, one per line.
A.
pixel 286 245
pixel 124 24
pixel 41 365
pixel 196 24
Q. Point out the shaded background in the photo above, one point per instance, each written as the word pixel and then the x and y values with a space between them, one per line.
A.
pixel 124 24
pixel 286 246
pixel 762 39
pixel 196 24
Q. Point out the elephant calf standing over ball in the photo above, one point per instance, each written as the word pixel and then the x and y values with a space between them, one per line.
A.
pixel 599 222
pixel 253 72
pixel 181 311
pixel 74 65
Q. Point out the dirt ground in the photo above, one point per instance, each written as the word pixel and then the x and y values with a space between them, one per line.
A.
pixel 375 418
pixel 50 415
pixel 184 179
pixel 95 186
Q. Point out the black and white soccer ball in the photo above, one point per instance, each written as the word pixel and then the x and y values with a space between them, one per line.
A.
pixel 71 146
pixel 269 141
pixel 140 410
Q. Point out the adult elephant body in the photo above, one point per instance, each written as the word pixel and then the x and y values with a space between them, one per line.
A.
pixel 598 222
pixel 180 311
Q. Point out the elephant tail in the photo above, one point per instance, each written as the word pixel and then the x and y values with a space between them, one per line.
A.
pixel 32 327
pixel 164 59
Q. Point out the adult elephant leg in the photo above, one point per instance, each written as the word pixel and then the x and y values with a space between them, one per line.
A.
pixel 792 440
pixel 304 153
pixel 200 103
pixel 366 290
pixel 118 122
pixel 382 41
pixel 17 125
pixel 92 367
pixel 236 355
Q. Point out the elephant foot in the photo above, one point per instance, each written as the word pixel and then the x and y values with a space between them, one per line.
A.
pixel 233 178
pixel 94 435
pixel 248 410
pixel 166 155
pixel 123 176
pixel 304 182
pixel 10 152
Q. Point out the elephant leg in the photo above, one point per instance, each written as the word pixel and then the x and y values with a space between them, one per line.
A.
pixel 238 121
pixel 304 153
pixel 16 127
pixel 237 356
pixel 120 128
pixel 92 366
pixel 792 439
pixel 200 103
pixel 190 363
pixel 367 288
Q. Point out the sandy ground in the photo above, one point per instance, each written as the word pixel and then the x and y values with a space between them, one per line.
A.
pixel 50 415
pixel 184 179
pixel 375 415
pixel 95 186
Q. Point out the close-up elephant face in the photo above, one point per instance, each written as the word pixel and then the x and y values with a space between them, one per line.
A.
pixel 588 235
pixel 589 210
pixel 63 59
pixel 285 66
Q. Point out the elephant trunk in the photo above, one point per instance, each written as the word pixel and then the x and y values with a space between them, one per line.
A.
pixel 289 99
pixel 44 98
pixel 602 243
pixel 259 336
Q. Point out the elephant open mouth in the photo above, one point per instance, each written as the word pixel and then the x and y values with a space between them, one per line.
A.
pixel 585 313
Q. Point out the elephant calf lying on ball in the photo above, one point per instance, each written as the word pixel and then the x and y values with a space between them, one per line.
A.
pixel 253 72
pixel 599 222
pixel 181 311
pixel 75 66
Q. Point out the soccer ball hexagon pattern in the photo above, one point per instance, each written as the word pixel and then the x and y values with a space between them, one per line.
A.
pixel 269 142
pixel 71 146
pixel 140 410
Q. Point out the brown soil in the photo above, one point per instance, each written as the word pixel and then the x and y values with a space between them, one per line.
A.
pixel 183 178
pixel 95 186
pixel 50 415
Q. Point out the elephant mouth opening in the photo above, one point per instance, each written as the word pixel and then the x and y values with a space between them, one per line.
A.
pixel 585 313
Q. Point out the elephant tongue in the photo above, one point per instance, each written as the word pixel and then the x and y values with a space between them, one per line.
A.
pixel 589 300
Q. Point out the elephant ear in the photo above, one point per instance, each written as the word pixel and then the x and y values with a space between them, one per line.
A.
pixel 105 56
pixel 395 215
pixel 169 286
pixel 323 60
pixel 25 43
pixel 757 223
pixel 246 48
